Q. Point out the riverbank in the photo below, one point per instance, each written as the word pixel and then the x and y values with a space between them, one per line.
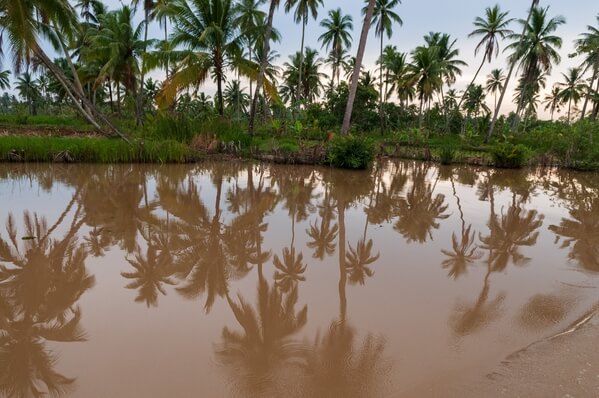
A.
pixel 73 144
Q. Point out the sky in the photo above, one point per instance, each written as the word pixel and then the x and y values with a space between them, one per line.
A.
pixel 423 16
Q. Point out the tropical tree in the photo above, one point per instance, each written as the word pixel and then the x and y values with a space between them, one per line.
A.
pixel 495 82
pixel 426 73
pixel 572 88
pixel 208 32
pixel 311 77
pixel 398 71
pixel 535 51
pixel 28 90
pixel 236 98
pixel 249 19
pixel 303 9
pixel 384 17
pixel 553 101
pixel 534 3
pixel 337 37
pixel 475 100
pixel 492 28
pixel 588 46
pixel 5 80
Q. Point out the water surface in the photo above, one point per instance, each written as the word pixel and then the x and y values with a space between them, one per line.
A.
pixel 242 280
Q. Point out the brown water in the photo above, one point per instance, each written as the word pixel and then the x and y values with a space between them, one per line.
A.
pixel 227 279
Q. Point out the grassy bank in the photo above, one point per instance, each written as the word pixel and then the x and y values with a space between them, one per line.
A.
pixel 92 150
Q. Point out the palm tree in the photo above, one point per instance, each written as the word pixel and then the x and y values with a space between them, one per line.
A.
pixel 249 18
pixel 572 88
pixel 384 17
pixel 426 73
pixel 495 82
pixel 588 46
pixel 311 78
pixel 23 31
pixel 236 98
pixel 5 80
pixel 398 70
pixel 491 29
pixel 207 31
pixel 553 101
pixel 337 37
pixel 475 101
pixel 357 67
pixel 464 253
pixel 28 90
pixel 535 51
pixel 274 4
pixel 534 3
pixel 303 9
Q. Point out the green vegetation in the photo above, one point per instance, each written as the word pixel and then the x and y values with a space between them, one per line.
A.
pixel 91 150
pixel 288 110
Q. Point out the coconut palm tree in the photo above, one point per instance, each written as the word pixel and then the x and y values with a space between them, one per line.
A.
pixel 426 71
pixel 303 10
pixel 572 88
pixel 588 46
pixel 533 4
pixel 337 37
pixel 208 32
pixel 357 67
pixel 491 29
pixel 236 98
pixel 249 18
pixel 28 90
pixel 553 101
pixel 495 82
pixel 398 70
pixel 475 101
pixel 535 51
pixel 311 76
pixel 274 5
pixel 384 18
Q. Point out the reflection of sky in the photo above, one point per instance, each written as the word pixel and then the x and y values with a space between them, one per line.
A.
pixel 420 17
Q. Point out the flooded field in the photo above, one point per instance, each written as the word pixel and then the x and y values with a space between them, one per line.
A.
pixel 241 280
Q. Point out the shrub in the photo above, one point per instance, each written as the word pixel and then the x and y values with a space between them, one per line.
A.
pixel 351 152
pixel 447 154
pixel 508 155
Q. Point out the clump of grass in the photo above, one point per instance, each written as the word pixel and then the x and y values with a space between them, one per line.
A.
pixel 91 150
pixel 447 154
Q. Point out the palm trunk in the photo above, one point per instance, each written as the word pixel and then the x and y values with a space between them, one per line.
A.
pixel 342 270
pixel 140 95
pixel 300 79
pixel 589 92
pixel 110 95
pixel 356 73
pixel 263 62
pixel 596 107
pixel 569 109
pixel 471 84
pixel 250 58
pixel 509 76
pixel 118 99
pixel 74 93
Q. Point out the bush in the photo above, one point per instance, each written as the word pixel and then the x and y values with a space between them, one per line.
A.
pixel 508 155
pixel 447 154
pixel 351 152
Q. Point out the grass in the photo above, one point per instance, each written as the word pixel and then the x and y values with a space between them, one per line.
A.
pixel 44 121
pixel 91 150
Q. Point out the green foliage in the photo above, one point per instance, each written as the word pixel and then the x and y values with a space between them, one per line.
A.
pixel 169 127
pixel 447 154
pixel 48 149
pixel 508 155
pixel 351 152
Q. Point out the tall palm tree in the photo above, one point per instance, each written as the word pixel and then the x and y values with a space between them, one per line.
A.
pixel 398 70
pixel 274 5
pixel 426 73
pixel 553 101
pixel 311 79
pixel 490 29
pixel 357 67
pixel 475 100
pixel 303 9
pixel 588 46
pixel 249 18
pixel 533 4
pixel 207 31
pixel 337 37
pixel 572 88
pixel 384 17
pixel 535 51
pixel 495 82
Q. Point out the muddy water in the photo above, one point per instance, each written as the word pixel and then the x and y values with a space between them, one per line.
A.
pixel 238 280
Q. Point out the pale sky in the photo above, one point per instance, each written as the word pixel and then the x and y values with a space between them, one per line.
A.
pixel 423 16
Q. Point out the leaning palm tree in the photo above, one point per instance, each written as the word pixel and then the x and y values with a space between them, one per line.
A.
pixel 495 82
pixel 572 88
pixel 384 17
pixel 23 30
pixel 535 51
pixel 534 3
pixel 358 65
pixel 303 9
pixel 491 29
pixel 337 37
